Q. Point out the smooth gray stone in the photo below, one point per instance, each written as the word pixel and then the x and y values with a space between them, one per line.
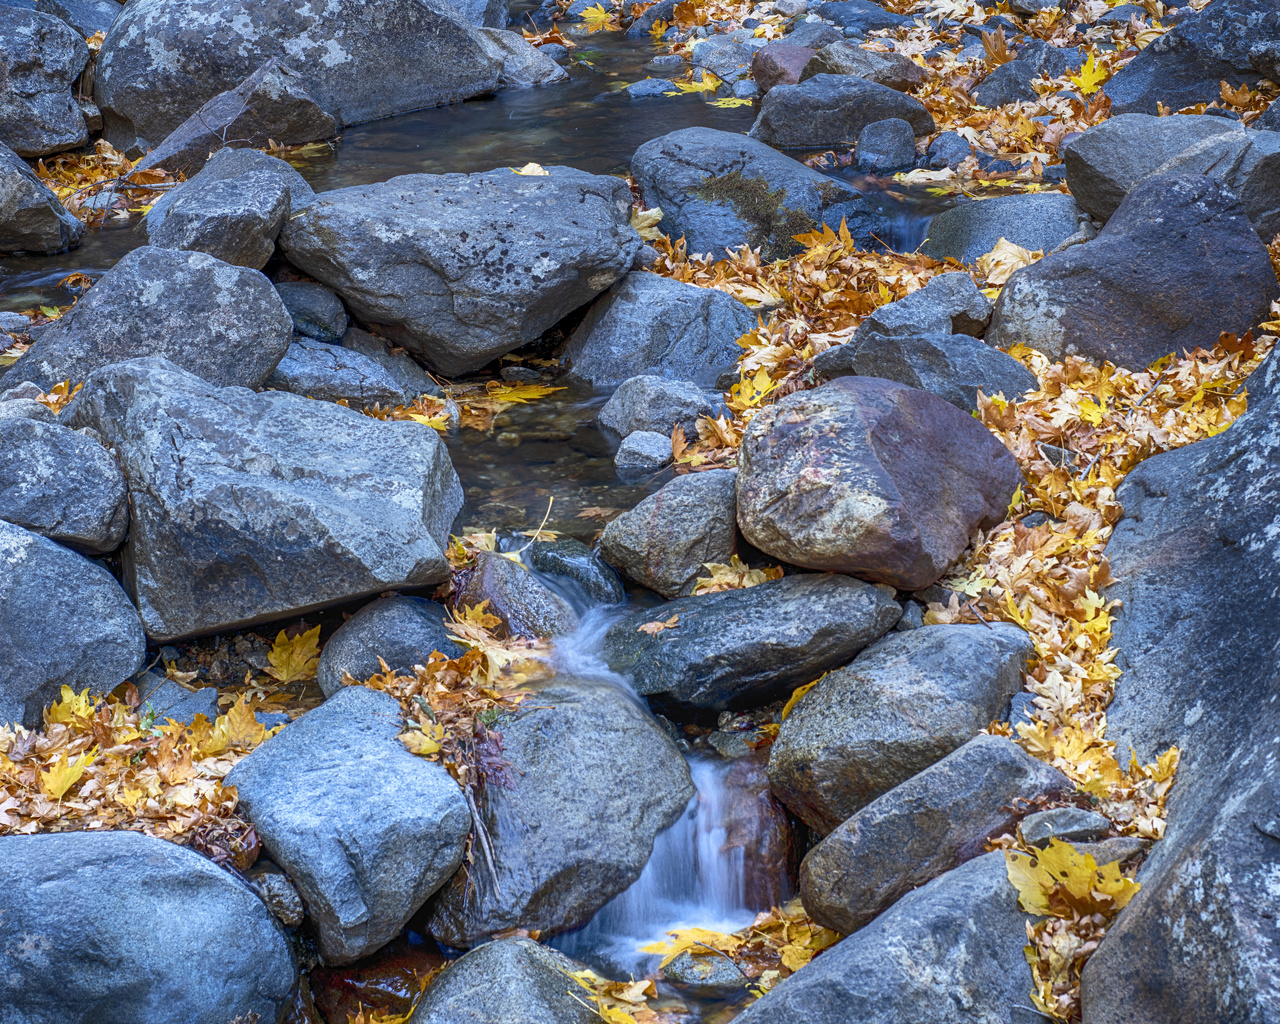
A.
pixel 236 220
pixel 27 409
pixel 948 304
pixel 847 58
pixel 747 647
pixel 366 830
pixel 643 451
pixel 647 402
pixel 813 34
pixel 332 373
pixel 885 147
pixel 649 87
pixel 1070 824
pixel 573 561
pixel 1035 221
pixel 899 707
pixel 40 57
pixel 251 507
pixel 168 700
pixel 729 62
pixel 860 15
pixel 523 65
pixel 31 218
pixel 409 376
pixel 949 149
pixel 830 110
pixel 232 165
pixel 316 311
pixel 131 957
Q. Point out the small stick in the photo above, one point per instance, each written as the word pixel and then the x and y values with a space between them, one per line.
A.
pixel 725 955
pixel 973 608
pixel 1152 389
pixel 483 836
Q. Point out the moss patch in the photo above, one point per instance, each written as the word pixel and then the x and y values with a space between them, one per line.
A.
pixel 770 222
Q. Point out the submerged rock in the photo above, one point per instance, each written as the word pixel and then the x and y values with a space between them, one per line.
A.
pixel 31 218
pixel 40 58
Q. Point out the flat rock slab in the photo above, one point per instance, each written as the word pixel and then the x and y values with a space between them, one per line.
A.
pixel 748 647
pixel 31 218
pixel 898 708
pixel 366 830
pixel 830 110
pixel 249 507
pixel 462 268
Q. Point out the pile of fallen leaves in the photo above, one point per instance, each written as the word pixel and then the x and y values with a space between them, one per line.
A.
pixel 94 184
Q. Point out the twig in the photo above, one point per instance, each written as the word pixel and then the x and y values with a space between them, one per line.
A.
pixel 1085 473
pixel 974 608
pixel 483 835
pixel 1152 389
pixel 725 955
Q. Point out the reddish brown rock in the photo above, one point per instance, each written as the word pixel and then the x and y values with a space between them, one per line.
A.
pixel 756 823
pixel 779 64
pixel 870 478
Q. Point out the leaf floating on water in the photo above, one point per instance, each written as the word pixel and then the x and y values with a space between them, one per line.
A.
pixel 600 513
pixel 732 101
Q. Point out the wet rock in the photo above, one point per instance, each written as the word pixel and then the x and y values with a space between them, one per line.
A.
pixel 222 322
pixel 315 310
pixel 1070 824
pixel 520 599
pixel 163 59
pixel 410 378
pixel 920 829
pixel 31 218
pixel 747 647
pixel 1175 265
pixel 366 830
pixel 1226 42
pixel 869 477
pixel 460 268
pixel 779 63
pixel 61 485
pixel 646 402
pixel 40 57
pixel 649 87
pixel 898 708
pixel 334 374
pixel 236 220
pixel 847 58
pixel 664 10
pixel 706 976
pixel 594 780
pixel 664 541
pixel 642 452
pixel 67 622
pixel 516 981
pixel 860 15
pixel 250 507
pixel 948 304
pixel 271 105
pixel 1011 82
pixel 574 562
pixel 1195 557
pixel 167 700
pixel 388 978
pixel 402 631
pixel 956 942
pixel 523 65
pixel 949 149
pixel 830 110
pixel 953 367
pixel 281 898
pixel 1035 221
pixel 721 190
pixel 885 146
pixel 64 957
pixel 659 327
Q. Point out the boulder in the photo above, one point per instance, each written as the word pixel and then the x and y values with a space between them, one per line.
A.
pixel 779 63
pixel 885 147
pixel 402 631
pixel 950 950
pixel 40 57
pixel 61 485
pixel 899 707
pixel 485 13
pixel 271 105
pixel 813 34
pixel 164 59
pixel 409 376
pixel 1270 119
pixel 522 64
pixel 224 323
pixel 1175 265
pixel 921 828
pixel 744 648
pixel 366 830
pixel 860 16
pixel 847 58
pixel 830 110
pixel 1070 824
pixel 954 367
pixel 652 325
pixel 335 374
pixel 663 10
pixel 67 622
pixel 720 190
pixel 1035 221
pixel 462 268
pixel 1197 634
pixel 642 452
pixel 515 981
pixel 664 542
pixel 85 16
pixel 948 149
pixel 723 56
pixel 1011 82
pixel 236 220
pixel 1232 41
pixel 593 779
pixel 316 311
pixel 646 402
pixel 948 304
pixel 872 478
pixel 527 607
pixel 575 564
pixel 31 218
pixel 133 956
pixel 251 507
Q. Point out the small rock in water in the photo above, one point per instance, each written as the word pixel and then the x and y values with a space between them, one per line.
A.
pixel 526 606
pixel 517 373
pixel 643 451
pixel 885 146
pixel 281 898
pixel 33 220
pixel 656 404
pixel 708 975
pixel 573 561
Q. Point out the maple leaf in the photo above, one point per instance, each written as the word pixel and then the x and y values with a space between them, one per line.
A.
pixel 645 222
pixel 71 707
pixel 658 29
pixel 1092 76
pixel 596 18
pixel 601 513
pixel 692 939
pixel 509 394
pixel 1059 881
pixel 709 83
pixel 1006 257
pixel 294 659
pixel 731 101
pixel 63 774
pixel 656 627
pixel 734 576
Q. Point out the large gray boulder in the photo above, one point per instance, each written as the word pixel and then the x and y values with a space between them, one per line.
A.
pixel 665 541
pixel 163 59
pixel 1035 221
pixel 846 57
pixel 31 218
pixel 922 828
pixel 1197 634
pixel 1176 264
pixel 869 477
pixel 61 485
pixel 646 324
pixel 720 190
pixel 366 830
pixel 402 631
pixel 1011 82
pixel 515 981
pixel 830 110
pixel 143 953
pixel 67 622
pixel 461 268
pixel 899 707
pixel 747 647
pixel 224 323
pixel 951 950
pixel 335 374
pixel 523 64
pixel 593 780
pixel 40 56
pixel 648 402
pixel 249 507
pixel 85 16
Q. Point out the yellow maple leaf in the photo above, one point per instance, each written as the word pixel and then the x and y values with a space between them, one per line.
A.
pixel 654 628
pixel 596 18
pixel 63 774
pixel 1006 257
pixel 477 615
pixel 71 707
pixel 645 222
pixel 696 940
pixel 731 101
pixel 294 659
pixel 519 393
pixel 798 693
pixel 1059 879
pixel 659 29
pixel 709 83
pixel 1091 77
